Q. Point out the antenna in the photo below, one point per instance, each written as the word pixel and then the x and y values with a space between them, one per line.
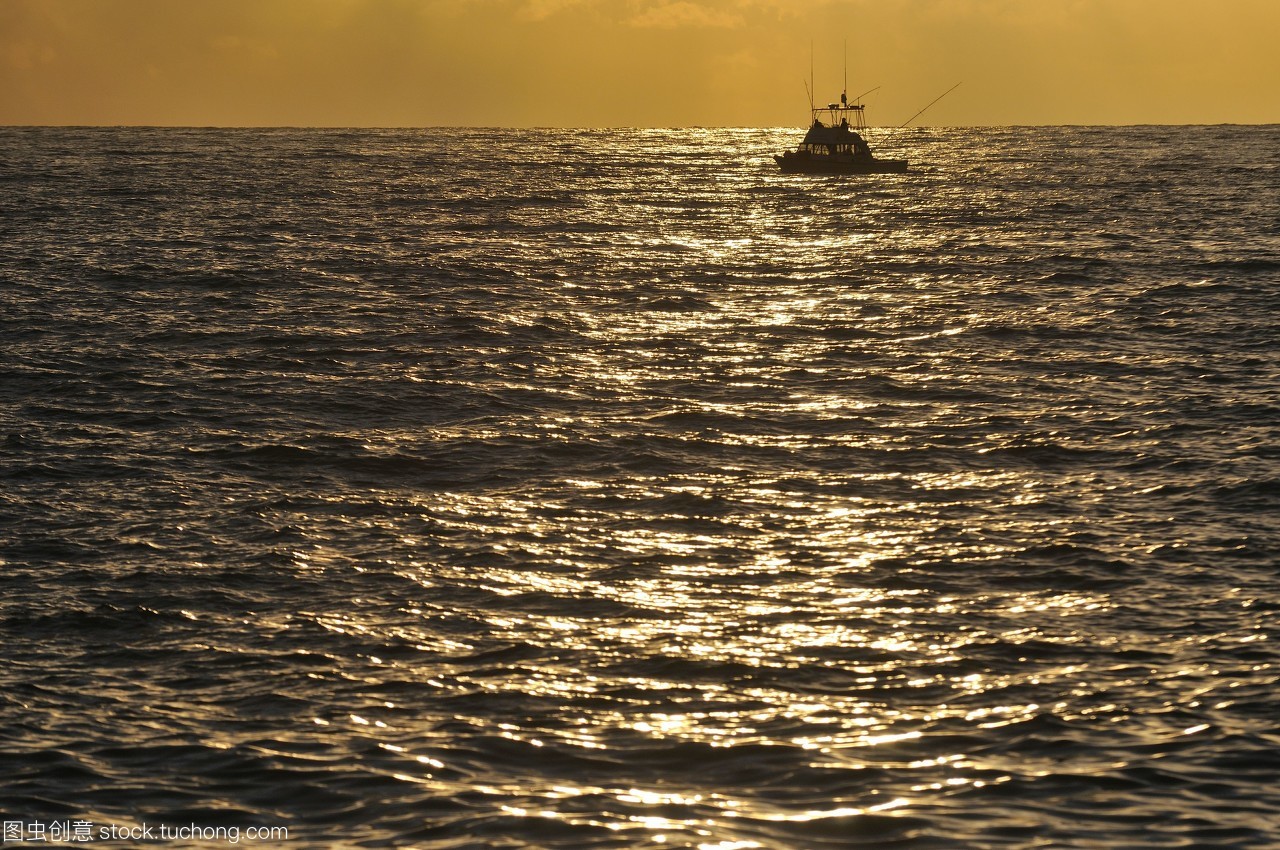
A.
pixel 844 90
pixel 931 103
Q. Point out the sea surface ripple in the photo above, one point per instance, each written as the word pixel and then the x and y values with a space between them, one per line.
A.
pixel 610 489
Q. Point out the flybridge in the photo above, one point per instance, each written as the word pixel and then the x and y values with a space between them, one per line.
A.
pixel 840 113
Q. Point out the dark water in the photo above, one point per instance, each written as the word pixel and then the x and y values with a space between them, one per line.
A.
pixel 461 489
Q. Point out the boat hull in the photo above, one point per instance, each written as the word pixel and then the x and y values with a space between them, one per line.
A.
pixel 797 162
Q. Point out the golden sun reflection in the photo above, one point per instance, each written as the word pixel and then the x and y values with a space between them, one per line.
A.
pixel 734 615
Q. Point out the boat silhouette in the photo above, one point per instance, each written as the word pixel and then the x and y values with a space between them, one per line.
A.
pixel 835 145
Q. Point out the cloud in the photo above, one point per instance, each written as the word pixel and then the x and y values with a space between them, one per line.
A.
pixel 538 10
pixel 683 13
pixel 244 47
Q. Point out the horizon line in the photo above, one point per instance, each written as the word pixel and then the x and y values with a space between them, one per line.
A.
pixel 602 127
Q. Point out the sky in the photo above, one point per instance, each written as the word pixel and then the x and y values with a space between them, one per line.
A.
pixel 638 63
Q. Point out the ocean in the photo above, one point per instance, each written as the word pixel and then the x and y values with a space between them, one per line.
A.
pixel 611 489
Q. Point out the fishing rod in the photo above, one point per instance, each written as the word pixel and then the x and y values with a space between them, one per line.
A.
pixel 931 103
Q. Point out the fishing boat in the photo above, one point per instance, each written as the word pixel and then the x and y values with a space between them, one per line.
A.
pixel 834 144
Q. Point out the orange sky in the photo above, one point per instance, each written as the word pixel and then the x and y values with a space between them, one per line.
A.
pixel 659 63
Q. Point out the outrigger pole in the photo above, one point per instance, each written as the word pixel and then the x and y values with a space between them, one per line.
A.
pixel 811 76
pixel 931 103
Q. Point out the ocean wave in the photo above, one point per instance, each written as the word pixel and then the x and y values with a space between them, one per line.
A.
pixel 624 493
